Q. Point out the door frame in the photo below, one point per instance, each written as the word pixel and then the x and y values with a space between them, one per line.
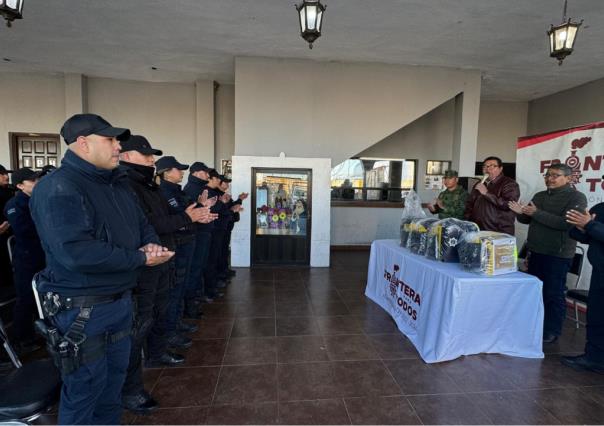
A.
pixel 253 235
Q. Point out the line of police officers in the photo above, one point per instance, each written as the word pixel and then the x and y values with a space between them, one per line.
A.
pixel 128 255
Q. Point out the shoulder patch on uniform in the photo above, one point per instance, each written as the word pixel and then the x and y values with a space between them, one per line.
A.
pixel 173 202
pixel 11 211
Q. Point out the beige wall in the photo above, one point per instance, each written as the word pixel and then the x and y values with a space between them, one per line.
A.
pixel 162 112
pixel 428 138
pixel 29 103
pixel 499 126
pixel 225 122
pixel 579 105
pixel 338 109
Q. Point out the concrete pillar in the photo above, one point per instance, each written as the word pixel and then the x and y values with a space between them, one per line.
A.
pixel 76 94
pixel 465 137
pixel 204 122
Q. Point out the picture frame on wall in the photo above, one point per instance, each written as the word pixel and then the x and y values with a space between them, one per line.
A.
pixel 26 161
pixel 437 167
pixel 52 161
pixel 51 147
pixel 225 168
pixel 26 147
pixel 39 147
pixel 40 162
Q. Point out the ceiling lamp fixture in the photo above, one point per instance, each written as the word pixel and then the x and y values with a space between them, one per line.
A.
pixel 311 19
pixel 11 10
pixel 562 37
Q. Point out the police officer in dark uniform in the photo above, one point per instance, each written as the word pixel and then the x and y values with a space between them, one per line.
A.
pixel 6 193
pixel 28 256
pixel 195 188
pixel 224 271
pixel 222 208
pixel 171 173
pixel 96 239
pixel 151 292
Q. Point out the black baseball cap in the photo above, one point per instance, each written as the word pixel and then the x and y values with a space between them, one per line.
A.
pixel 169 162
pixel 91 124
pixel 214 174
pixel 4 170
pixel 198 166
pixel 225 179
pixel 46 170
pixel 22 174
pixel 140 144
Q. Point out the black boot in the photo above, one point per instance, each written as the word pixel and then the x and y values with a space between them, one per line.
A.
pixel 140 403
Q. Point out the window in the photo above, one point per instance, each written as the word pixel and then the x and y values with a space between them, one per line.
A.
pixel 373 179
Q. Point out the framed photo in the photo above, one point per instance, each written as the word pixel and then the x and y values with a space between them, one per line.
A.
pixel 26 161
pixel 225 167
pixel 436 167
pixel 51 147
pixel 26 147
pixel 52 161
pixel 39 147
pixel 40 162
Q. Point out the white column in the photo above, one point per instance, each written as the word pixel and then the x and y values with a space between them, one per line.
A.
pixel 204 122
pixel 76 94
pixel 465 137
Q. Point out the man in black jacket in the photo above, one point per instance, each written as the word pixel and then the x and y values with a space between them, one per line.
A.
pixel 28 256
pixel 224 271
pixel 551 250
pixel 195 293
pixel 96 239
pixel 6 193
pixel 589 229
pixel 151 291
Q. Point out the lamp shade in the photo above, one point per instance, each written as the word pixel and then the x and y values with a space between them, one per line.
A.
pixel 11 10
pixel 562 39
pixel 310 14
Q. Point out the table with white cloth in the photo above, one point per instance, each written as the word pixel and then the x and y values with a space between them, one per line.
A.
pixel 447 312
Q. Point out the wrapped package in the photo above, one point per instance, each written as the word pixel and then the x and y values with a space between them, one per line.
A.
pixel 412 212
pixel 418 236
pixel 443 237
pixel 488 253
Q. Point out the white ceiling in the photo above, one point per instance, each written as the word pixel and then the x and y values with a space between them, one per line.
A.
pixel 192 39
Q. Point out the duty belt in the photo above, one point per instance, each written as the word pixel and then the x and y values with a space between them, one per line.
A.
pixel 53 303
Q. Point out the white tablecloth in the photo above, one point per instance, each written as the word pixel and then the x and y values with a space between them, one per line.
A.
pixel 447 312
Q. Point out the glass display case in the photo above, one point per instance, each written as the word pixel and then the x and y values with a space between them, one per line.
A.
pixel 282 219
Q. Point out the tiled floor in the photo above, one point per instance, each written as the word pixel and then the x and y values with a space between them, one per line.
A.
pixel 294 346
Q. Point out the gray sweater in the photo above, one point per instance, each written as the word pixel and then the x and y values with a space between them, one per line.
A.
pixel 548 229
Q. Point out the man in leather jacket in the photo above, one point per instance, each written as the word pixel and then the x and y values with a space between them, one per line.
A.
pixel 487 205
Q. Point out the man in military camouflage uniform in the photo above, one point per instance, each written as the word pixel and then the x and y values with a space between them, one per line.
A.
pixel 452 201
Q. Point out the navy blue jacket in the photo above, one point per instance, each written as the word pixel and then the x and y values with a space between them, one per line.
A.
pixel 193 189
pixel 594 236
pixel 223 209
pixel 28 251
pixel 91 228
pixel 178 201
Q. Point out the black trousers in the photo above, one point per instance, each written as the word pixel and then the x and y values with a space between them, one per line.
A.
pixel 223 264
pixel 594 348
pixel 210 274
pixel 25 304
pixel 151 303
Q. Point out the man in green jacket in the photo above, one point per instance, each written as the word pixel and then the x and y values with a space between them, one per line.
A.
pixel 551 250
pixel 452 201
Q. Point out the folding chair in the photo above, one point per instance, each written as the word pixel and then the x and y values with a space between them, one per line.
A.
pixel 28 391
pixel 577 295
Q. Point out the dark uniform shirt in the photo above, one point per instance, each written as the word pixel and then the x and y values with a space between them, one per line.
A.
pixel 178 202
pixel 91 228
pixel 28 250
pixel 454 202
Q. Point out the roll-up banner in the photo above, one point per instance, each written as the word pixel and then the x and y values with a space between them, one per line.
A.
pixel 581 148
